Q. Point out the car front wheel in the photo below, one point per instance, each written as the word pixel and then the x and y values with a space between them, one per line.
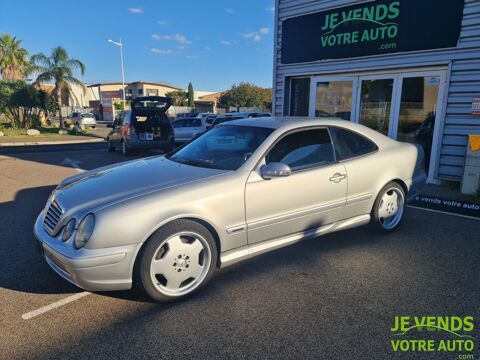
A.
pixel 177 260
pixel 389 208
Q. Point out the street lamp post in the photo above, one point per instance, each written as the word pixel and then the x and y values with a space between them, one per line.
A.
pixel 120 44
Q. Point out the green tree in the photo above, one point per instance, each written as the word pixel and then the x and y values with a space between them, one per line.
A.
pixel 179 98
pixel 21 102
pixel 58 68
pixel 247 95
pixel 191 95
pixel 14 63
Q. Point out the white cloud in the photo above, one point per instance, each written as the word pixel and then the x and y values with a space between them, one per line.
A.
pixel 191 56
pixel 207 48
pixel 181 47
pixel 226 42
pixel 182 39
pixel 264 31
pixel 137 10
pixel 257 35
pixel 249 35
pixel 162 22
pixel 230 11
pixel 270 8
pixel 161 51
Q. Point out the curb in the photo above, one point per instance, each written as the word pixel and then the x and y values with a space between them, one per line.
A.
pixel 39 143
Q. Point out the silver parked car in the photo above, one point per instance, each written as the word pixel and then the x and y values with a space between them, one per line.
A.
pixel 188 128
pixel 82 119
pixel 241 189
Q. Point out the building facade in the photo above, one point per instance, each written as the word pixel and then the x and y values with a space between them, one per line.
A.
pixel 407 68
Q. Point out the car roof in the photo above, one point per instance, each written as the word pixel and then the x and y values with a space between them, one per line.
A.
pixel 286 123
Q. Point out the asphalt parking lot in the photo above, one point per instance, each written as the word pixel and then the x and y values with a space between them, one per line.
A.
pixel 334 297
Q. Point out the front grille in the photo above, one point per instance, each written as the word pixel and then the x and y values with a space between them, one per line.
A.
pixel 52 217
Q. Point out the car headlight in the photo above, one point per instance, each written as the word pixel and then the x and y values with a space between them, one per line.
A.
pixel 84 231
pixel 68 230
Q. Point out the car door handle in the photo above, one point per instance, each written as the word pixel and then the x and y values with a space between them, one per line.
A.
pixel 336 178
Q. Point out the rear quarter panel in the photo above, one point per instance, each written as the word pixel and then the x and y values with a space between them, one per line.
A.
pixel 368 174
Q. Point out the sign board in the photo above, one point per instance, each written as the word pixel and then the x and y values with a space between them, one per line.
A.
pixel 372 28
pixel 476 106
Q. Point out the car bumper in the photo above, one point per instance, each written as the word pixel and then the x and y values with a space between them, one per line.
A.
pixel 104 269
pixel 154 144
pixel 89 124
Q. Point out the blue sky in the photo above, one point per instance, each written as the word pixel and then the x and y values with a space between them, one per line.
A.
pixel 213 43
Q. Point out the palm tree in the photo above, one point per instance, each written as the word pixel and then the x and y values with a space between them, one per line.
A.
pixel 13 58
pixel 58 68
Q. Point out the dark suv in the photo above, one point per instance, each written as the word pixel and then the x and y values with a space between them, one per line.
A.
pixel 146 126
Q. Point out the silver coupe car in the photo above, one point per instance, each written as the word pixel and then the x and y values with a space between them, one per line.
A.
pixel 239 190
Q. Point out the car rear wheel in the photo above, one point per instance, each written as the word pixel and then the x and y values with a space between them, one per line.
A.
pixel 177 261
pixel 389 208
pixel 110 147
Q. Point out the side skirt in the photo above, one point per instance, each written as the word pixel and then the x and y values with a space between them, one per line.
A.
pixel 236 255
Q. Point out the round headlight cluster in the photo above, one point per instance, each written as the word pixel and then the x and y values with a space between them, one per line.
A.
pixel 68 230
pixel 84 231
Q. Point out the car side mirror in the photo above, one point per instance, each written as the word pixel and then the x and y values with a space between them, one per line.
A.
pixel 274 170
pixel 110 126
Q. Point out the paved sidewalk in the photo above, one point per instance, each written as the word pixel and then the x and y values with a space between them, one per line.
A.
pixel 47 140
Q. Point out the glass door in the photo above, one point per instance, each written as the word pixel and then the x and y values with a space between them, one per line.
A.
pixel 333 97
pixel 375 108
pixel 419 103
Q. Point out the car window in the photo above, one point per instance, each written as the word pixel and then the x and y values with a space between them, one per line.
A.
pixel 224 147
pixel 126 117
pixel 177 124
pixel 88 116
pixel 349 144
pixel 192 123
pixel 303 149
pixel 75 114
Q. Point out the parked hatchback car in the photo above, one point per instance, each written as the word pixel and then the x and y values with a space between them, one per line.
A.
pixel 242 189
pixel 188 128
pixel 145 126
pixel 82 119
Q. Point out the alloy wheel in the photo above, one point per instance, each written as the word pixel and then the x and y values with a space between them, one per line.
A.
pixel 180 264
pixel 391 208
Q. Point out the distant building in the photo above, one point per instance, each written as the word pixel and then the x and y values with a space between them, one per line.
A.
pixel 208 102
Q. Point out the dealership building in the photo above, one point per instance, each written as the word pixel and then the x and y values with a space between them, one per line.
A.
pixel 409 69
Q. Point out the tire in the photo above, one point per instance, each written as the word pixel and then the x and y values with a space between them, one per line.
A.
pixel 389 209
pixel 110 147
pixel 176 261
pixel 124 148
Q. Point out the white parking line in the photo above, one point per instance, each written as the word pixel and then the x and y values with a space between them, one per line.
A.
pixel 443 212
pixel 54 305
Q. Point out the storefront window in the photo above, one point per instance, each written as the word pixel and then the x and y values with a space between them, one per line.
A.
pixel 334 99
pixel 376 104
pixel 299 96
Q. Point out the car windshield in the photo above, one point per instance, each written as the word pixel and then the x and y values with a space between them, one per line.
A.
pixel 225 147
pixel 88 115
